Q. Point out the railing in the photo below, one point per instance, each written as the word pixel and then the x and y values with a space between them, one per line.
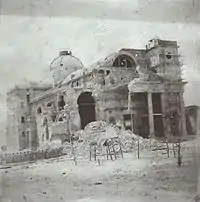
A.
pixel 27 156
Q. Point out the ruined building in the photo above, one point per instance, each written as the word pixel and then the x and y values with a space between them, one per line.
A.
pixel 142 88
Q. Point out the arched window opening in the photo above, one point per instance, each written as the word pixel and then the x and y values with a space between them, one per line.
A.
pixel 124 61
pixel 61 103
pixel 39 110
pixel 86 105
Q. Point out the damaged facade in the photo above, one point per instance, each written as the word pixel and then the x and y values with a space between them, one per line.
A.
pixel 141 88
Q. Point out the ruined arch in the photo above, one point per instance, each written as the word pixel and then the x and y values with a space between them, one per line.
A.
pixel 86 107
pixel 124 61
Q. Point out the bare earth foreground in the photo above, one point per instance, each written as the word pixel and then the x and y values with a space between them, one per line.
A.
pixel 153 177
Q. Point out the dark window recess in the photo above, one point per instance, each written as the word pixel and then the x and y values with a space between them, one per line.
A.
pixel 158 126
pixel 28 98
pixel 61 103
pixel 60 119
pixel 168 56
pixel 140 101
pixel 39 110
pixel 156 101
pixel 53 118
pixel 22 119
pixel 127 117
pixel 23 134
pixel 107 72
pixel 73 84
pixel 49 104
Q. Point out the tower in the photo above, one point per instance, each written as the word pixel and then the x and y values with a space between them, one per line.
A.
pixel 164 58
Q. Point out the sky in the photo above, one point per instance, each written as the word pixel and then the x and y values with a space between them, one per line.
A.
pixel 31 36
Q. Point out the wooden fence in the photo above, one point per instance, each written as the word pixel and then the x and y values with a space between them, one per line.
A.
pixel 27 156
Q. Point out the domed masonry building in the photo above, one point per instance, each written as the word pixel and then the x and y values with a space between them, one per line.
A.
pixel 141 88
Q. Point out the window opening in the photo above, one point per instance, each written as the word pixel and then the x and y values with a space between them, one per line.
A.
pixel 168 56
pixel 107 72
pixel 49 104
pixel 60 119
pixel 22 119
pixel 39 110
pixel 23 134
pixel 28 98
pixel 53 118
pixel 61 103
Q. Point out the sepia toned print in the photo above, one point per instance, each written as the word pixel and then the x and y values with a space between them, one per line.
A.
pixel 99 101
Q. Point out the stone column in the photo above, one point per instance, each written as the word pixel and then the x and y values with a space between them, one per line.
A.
pixel 163 104
pixel 151 118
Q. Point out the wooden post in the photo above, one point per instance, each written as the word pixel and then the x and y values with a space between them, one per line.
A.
pixel 120 145
pixel 109 152
pixel 95 152
pixel 114 150
pixel 90 153
pixel 167 148
pixel 138 151
pixel 179 154
pixel 174 149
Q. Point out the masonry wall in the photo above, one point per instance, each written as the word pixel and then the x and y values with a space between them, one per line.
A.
pixel 19 120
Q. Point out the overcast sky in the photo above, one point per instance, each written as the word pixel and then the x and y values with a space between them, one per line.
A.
pixel 33 33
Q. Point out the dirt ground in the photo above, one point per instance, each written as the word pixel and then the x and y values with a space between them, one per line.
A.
pixel 153 177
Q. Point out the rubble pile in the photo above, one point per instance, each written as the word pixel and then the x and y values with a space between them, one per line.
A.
pixel 96 133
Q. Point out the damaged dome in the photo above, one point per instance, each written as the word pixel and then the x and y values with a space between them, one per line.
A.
pixel 64 65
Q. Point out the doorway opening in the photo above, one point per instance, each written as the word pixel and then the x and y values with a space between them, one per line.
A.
pixel 86 106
